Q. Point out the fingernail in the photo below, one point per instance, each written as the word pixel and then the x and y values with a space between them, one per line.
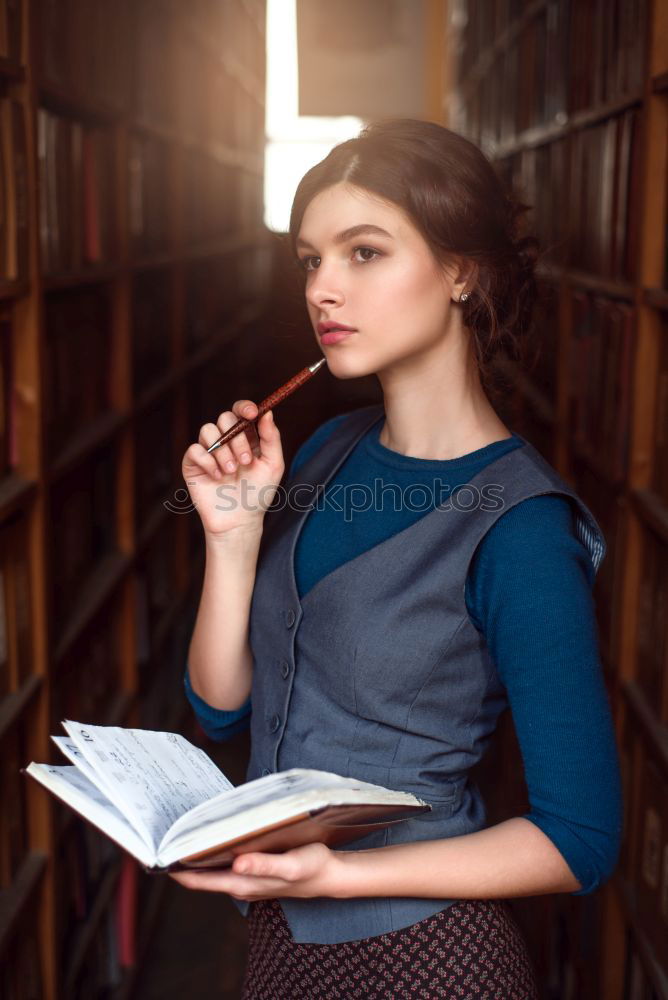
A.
pixel 248 410
pixel 245 457
pixel 230 466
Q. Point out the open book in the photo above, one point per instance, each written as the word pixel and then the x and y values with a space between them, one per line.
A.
pixel 165 802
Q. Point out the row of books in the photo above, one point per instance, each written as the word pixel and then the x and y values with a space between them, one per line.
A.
pixel 539 176
pixel 11 30
pixel 14 832
pixel 600 232
pixel 77 211
pixel 660 464
pixel 601 368
pixel 605 201
pixel 526 84
pixel 83 50
pixel 652 627
pixel 78 354
pixel 78 338
pixel 89 675
pixel 8 442
pixel 607 49
pixel 13 192
pixel 77 205
pixel 15 606
pixel 83 507
pixel 568 56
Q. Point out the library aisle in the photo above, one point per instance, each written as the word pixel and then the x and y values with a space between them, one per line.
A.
pixel 141 293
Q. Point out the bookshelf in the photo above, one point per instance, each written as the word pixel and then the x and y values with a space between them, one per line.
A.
pixel 133 260
pixel 570 101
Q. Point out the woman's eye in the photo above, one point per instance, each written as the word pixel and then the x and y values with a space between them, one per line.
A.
pixel 365 250
pixel 307 262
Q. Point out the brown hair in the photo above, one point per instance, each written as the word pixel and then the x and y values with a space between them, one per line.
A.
pixel 457 201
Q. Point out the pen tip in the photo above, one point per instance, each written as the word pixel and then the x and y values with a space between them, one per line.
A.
pixel 318 364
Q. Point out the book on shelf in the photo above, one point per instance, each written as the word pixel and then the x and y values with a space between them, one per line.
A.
pixel 14 193
pixel 167 804
pixel 660 464
pixel 11 35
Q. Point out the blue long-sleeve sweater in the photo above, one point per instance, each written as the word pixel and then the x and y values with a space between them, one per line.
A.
pixel 538 619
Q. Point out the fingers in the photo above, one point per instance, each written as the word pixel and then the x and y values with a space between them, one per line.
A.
pixel 270 438
pixel 197 457
pixel 237 451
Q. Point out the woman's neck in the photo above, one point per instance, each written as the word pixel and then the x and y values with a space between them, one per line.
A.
pixel 440 412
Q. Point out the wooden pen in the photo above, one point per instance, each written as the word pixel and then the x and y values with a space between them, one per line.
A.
pixel 276 397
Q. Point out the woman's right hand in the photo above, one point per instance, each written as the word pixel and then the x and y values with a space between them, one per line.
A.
pixel 238 497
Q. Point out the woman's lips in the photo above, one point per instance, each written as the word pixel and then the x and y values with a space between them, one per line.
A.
pixel 334 336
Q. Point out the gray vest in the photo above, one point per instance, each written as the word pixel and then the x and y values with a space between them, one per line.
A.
pixel 378 672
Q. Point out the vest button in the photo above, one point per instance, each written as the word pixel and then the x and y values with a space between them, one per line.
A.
pixel 274 723
pixel 265 772
pixel 285 668
pixel 290 617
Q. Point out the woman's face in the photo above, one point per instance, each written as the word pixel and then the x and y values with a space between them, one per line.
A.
pixel 386 283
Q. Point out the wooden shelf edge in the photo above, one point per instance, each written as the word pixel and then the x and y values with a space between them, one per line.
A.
pixel 653 728
pixel 538 135
pixel 486 58
pixel 653 511
pixel 13 704
pixel 15 494
pixel 14 899
pixel 59 99
pixel 86 441
pixel 75 279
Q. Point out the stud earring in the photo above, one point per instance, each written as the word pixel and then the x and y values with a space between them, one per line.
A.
pixel 463 297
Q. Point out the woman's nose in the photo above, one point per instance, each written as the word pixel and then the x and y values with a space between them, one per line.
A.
pixel 323 289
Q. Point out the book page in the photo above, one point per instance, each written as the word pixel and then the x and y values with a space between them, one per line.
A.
pixel 151 777
pixel 297 784
pixel 70 785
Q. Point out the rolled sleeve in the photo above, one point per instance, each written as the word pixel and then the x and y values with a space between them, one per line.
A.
pixel 218 724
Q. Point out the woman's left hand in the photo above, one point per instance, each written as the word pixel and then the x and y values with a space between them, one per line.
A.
pixel 303 872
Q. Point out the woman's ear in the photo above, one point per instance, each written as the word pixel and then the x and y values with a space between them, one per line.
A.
pixel 467 277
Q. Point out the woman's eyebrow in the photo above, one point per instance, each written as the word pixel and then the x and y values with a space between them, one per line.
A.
pixel 348 234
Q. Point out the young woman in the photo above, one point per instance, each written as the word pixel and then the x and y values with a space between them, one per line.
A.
pixel 430 569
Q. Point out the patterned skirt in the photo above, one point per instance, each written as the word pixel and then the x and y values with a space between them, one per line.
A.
pixel 471 949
